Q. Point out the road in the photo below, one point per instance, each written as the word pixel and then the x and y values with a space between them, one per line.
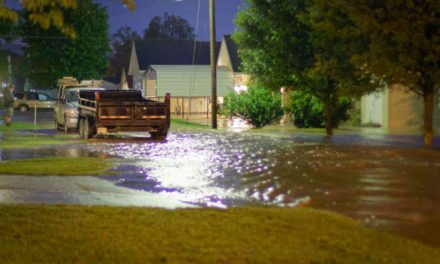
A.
pixel 388 182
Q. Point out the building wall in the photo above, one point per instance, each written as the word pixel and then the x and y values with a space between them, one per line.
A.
pixel 191 81
pixel 406 111
pixel 398 110
pixel 150 88
pixel 223 57
pixel 188 105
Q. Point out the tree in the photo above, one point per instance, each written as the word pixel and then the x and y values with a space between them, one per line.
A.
pixel 51 54
pixel 257 105
pixel 403 45
pixel 121 42
pixel 281 44
pixel 47 13
pixel 308 110
pixel 169 27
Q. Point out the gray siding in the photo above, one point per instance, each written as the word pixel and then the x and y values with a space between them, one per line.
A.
pixel 191 80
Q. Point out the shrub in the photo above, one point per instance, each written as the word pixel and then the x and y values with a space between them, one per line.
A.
pixel 308 110
pixel 258 106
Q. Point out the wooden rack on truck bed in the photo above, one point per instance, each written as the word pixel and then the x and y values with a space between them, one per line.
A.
pixel 112 111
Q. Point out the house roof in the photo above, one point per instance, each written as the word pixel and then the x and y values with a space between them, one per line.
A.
pixel 233 53
pixel 172 52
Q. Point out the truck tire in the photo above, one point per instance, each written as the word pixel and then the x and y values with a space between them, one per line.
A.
pixel 81 128
pixel 57 126
pixel 65 128
pixel 88 129
pixel 159 135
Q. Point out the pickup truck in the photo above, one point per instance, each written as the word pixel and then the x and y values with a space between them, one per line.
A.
pixel 66 106
pixel 112 111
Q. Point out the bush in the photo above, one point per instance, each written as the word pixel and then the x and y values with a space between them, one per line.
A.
pixel 308 110
pixel 258 105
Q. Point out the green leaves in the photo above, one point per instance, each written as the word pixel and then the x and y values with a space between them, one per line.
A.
pixel 169 27
pixel 258 105
pixel 308 110
pixel 51 54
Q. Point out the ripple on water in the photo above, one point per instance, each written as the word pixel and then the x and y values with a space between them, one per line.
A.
pixel 363 177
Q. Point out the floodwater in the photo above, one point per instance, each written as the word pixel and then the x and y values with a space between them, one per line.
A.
pixel 386 182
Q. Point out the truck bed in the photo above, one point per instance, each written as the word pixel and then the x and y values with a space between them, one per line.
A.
pixel 124 110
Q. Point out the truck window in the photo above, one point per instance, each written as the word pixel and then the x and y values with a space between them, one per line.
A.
pixel 42 97
pixel 72 97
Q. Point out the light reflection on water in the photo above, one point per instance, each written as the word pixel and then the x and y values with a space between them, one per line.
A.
pixel 391 188
pixel 387 182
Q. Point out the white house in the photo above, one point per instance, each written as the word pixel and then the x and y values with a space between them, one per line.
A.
pixel 189 85
pixel 228 58
pixel 182 68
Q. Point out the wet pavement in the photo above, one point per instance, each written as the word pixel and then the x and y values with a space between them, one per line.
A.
pixel 84 190
pixel 386 182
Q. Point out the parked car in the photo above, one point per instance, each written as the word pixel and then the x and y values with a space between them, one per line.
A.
pixel 30 100
pixel 66 108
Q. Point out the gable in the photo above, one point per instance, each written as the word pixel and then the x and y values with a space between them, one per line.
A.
pixel 232 50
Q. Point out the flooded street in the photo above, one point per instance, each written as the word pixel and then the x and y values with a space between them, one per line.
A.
pixel 377 180
pixel 386 182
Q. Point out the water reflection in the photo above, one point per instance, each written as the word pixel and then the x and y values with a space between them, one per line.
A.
pixel 386 182
pixel 367 178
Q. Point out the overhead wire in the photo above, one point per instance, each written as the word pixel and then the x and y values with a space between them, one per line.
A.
pixel 193 79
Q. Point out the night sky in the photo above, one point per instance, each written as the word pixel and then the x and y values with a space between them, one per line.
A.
pixel 147 9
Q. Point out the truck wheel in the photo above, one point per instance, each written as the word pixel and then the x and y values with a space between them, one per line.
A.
pixel 57 126
pixel 65 128
pixel 81 128
pixel 160 135
pixel 88 129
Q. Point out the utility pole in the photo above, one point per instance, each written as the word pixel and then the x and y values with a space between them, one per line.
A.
pixel 213 65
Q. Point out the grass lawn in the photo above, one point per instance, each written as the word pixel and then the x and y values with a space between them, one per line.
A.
pixel 18 125
pixel 31 141
pixel 181 124
pixel 13 137
pixel 55 166
pixel 60 234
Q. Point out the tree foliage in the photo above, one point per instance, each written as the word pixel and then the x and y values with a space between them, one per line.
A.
pixel 165 27
pixel 281 44
pixel 273 44
pixel 121 42
pixel 169 27
pixel 258 105
pixel 308 110
pixel 403 45
pixel 48 13
pixel 51 54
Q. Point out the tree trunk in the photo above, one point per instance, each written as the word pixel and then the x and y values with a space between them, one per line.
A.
pixel 286 104
pixel 328 114
pixel 428 102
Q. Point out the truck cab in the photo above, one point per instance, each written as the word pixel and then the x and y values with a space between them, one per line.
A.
pixel 66 106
